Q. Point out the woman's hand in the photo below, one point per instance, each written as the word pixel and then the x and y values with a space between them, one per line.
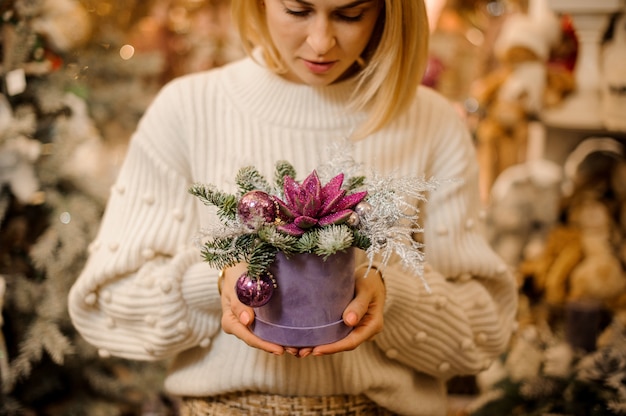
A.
pixel 237 317
pixel 364 313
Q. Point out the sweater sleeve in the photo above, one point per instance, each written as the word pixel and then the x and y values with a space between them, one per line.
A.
pixel 463 318
pixel 144 292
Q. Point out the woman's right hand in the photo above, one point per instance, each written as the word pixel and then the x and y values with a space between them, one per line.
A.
pixel 237 317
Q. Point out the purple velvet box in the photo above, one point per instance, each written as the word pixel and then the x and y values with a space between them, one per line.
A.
pixel 307 307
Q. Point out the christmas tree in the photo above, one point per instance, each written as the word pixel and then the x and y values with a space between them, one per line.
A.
pixel 76 78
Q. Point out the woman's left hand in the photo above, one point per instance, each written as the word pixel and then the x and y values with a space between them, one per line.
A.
pixel 364 313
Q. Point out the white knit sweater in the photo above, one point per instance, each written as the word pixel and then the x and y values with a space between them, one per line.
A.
pixel 145 293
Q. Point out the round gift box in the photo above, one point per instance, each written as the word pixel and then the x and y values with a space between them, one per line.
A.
pixel 306 308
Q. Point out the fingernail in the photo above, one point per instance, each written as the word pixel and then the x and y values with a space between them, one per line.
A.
pixel 244 318
pixel 317 354
pixel 305 354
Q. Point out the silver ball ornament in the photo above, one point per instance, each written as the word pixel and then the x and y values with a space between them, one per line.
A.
pixel 363 208
pixel 353 220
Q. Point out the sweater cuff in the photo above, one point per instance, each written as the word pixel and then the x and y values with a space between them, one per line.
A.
pixel 199 282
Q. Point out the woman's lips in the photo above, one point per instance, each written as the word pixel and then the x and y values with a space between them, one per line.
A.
pixel 319 67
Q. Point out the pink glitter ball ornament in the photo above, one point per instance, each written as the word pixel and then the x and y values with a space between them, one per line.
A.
pixel 255 208
pixel 255 292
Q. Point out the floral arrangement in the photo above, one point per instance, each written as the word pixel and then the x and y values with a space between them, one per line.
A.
pixel 311 216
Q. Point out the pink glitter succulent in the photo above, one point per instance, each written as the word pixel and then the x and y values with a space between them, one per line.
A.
pixel 309 204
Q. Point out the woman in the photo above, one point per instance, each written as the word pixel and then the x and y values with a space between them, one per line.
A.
pixel 318 71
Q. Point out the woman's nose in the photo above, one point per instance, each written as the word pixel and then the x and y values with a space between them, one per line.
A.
pixel 321 37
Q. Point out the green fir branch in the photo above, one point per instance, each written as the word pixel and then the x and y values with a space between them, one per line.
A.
pixel 355 182
pixel 333 239
pixel 281 241
pixel 209 195
pixel 307 242
pixel 227 251
pixel 361 240
pixel 219 252
pixel 260 259
pixel 249 179
pixel 283 168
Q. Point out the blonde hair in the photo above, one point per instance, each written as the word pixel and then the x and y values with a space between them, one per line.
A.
pixel 394 60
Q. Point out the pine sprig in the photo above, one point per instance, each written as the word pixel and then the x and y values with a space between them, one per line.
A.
pixel 260 259
pixel 355 182
pixel 281 241
pixel 283 168
pixel 220 252
pixel 333 239
pixel 361 241
pixel 307 243
pixel 249 179
pixel 227 251
pixel 209 195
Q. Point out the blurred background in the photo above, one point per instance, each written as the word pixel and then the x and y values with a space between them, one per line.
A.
pixel 541 85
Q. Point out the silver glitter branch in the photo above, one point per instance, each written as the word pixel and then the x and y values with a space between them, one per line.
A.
pixel 391 220
pixel 339 160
